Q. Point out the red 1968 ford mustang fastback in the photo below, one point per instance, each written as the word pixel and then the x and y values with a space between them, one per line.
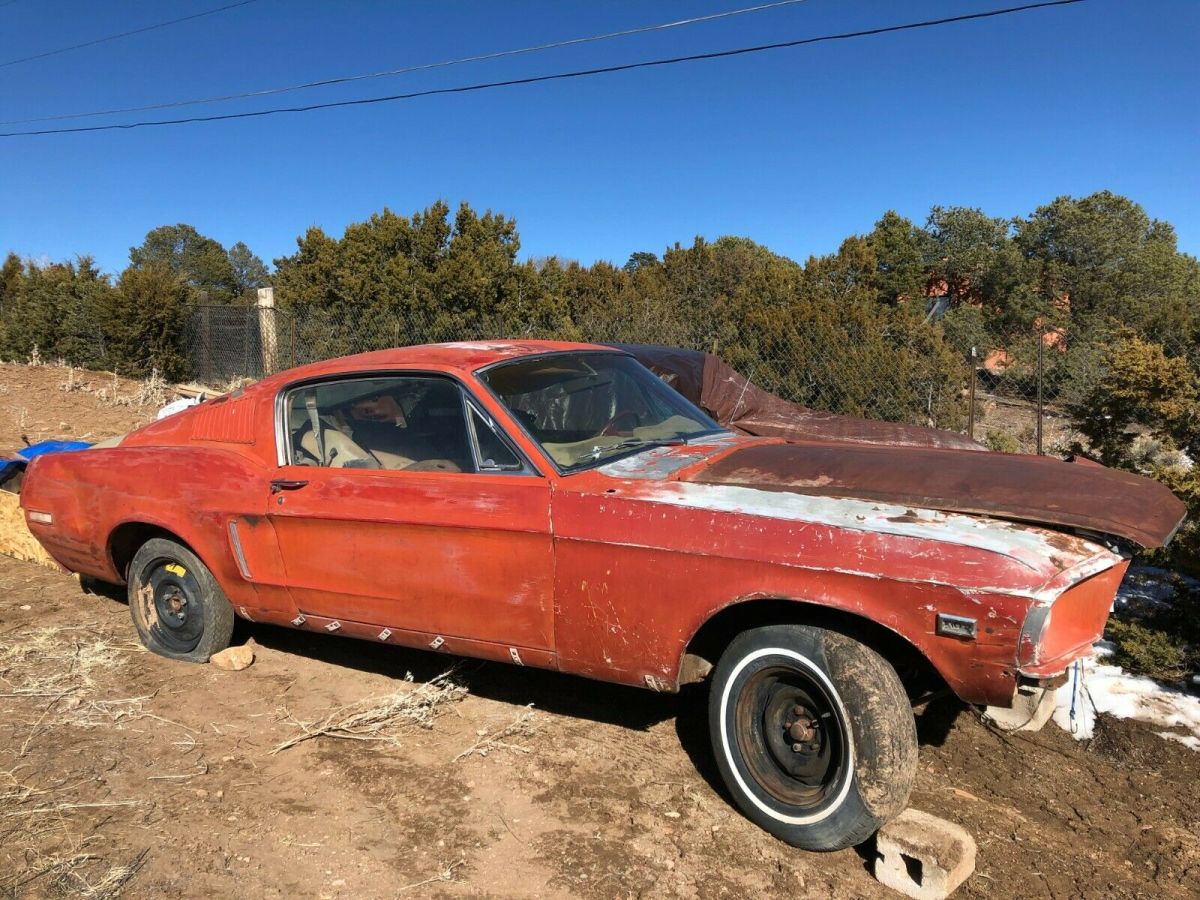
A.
pixel 557 505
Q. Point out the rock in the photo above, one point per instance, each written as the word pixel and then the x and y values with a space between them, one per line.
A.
pixel 233 659
pixel 923 856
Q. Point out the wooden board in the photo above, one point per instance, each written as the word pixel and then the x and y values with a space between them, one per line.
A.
pixel 15 539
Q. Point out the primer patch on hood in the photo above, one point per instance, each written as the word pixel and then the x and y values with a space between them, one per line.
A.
pixel 1042 551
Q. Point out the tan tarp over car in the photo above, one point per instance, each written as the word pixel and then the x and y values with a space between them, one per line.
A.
pixel 737 403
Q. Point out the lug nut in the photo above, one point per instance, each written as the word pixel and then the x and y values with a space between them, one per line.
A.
pixel 801 730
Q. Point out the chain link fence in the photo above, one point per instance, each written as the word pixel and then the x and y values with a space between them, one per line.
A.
pixel 224 343
pixel 1018 398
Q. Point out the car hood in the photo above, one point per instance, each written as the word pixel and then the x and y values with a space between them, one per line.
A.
pixel 1037 489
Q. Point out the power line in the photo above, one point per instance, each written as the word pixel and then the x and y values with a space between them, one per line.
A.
pixel 125 34
pixel 346 79
pixel 558 76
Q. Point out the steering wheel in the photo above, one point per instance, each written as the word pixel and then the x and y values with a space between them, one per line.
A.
pixel 611 427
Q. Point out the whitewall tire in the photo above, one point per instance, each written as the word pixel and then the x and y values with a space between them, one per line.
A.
pixel 813 734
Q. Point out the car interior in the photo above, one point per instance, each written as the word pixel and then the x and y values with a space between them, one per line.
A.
pixel 415 423
pixel 577 407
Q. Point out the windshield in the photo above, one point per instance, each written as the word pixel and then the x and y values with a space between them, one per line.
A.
pixel 587 408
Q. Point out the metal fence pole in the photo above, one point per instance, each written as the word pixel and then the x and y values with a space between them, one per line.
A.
pixel 971 400
pixel 1041 353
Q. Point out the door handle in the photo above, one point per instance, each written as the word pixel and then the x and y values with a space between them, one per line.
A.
pixel 285 484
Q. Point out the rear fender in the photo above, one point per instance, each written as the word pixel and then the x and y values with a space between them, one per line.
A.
pixel 191 493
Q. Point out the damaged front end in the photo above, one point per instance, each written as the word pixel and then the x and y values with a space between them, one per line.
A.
pixel 1064 623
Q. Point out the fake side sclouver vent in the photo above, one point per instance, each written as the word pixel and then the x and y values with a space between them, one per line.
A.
pixel 226 421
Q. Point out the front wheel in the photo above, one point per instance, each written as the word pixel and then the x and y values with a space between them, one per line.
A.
pixel 813 735
pixel 177 606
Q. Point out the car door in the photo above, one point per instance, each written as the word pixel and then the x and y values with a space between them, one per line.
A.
pixel 403 505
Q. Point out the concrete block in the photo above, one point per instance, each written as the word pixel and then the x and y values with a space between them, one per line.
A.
pixel 1032 708
pixel 923 856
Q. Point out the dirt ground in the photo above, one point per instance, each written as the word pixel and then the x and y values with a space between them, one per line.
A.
pixel 43 402
pixel 1018 420
pixel 122 772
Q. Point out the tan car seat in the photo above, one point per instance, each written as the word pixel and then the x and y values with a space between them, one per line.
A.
pixel 337 450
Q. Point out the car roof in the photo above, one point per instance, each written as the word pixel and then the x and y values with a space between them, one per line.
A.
pixel 463 356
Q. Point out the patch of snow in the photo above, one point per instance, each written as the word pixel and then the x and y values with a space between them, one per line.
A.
pixel 1188 740
pixel 1094 687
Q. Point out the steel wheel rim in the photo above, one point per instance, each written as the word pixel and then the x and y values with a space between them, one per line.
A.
pixel 173 605
pixel 792 737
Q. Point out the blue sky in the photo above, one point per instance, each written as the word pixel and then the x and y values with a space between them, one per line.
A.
pixel 794 148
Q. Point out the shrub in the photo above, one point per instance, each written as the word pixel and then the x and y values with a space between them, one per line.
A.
pixel 1002 442
pixel 1147 651
pixel 1143 387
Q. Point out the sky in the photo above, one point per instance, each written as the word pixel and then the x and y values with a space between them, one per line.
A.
pixel 794 148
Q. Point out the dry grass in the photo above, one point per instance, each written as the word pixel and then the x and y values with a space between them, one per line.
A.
pixel 522 726
pixel 234 384
pixel 152 391
pixel 51 672
pixel 446 874
pixel 70 875
pixel 32 816
pixel 49 677
pixel 42 662
pixel 380 718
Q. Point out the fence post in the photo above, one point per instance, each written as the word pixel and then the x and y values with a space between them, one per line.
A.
pixel 971 399
pixel 266 328
pixel 1040 370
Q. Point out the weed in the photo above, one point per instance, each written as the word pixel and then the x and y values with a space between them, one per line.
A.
pixel 378 718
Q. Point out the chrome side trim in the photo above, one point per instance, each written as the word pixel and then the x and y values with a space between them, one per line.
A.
pixel 236 541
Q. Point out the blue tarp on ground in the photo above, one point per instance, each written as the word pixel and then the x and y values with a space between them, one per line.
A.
pixel 11 466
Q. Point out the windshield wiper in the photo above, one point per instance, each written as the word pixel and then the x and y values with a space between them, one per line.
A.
pixel 640 443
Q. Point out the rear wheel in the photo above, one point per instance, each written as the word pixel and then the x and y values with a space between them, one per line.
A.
pixel 178 608
pixel 813 735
